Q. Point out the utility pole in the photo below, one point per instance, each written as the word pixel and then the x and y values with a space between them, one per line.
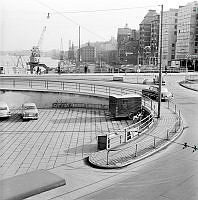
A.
pixel 160 65
pixel 79 46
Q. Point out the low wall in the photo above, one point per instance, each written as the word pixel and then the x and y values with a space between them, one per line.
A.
pixel 45 99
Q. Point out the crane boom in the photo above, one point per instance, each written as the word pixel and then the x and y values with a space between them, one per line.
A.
pixel 41 37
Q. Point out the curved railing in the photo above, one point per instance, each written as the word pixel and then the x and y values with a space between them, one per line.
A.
pixel 105 90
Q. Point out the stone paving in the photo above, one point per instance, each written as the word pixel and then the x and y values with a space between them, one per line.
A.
pixel 58 137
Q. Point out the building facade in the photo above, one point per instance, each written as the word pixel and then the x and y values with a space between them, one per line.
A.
pixel 149 39
pixel 169 36
pixel 127 45
pixel 187 35
pixel 88 53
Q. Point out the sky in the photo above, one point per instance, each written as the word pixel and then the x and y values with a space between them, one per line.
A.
pixel 22 21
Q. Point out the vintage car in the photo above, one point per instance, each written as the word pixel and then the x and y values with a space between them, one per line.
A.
pixel 152 92
pixel 4 110
pixel 29 111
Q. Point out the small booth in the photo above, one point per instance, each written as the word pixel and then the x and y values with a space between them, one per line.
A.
pixel 127 105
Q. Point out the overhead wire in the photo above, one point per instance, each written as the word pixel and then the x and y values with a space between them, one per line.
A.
pixel 68 18
pixel 90 11
pixel 108 10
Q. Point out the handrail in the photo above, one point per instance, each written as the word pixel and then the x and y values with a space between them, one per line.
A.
pixel 77 87
pixel 98 89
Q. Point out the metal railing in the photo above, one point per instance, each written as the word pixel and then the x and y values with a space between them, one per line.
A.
pixel 140 148
pixel 146 146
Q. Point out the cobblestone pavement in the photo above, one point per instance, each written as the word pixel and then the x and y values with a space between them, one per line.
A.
pixel 58 137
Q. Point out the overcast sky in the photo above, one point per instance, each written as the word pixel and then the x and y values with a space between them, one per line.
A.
pixel 22 21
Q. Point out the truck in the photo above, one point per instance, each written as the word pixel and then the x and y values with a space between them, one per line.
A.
pixel 127 105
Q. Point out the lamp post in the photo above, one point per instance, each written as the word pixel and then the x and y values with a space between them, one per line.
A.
pixel 160 66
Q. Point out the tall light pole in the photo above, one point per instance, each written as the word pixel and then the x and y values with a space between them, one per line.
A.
pixel 79 46
pixel 160 66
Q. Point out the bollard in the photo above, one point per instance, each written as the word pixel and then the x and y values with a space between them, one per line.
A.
pixel 107 157
pixel 175 108
pixel 154 143
pixel 168 104
pixel 167 136
pixel 125 135
pixel 136 150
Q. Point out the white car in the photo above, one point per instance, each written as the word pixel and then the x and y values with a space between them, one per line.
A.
pixel 29 111
pixel 4 110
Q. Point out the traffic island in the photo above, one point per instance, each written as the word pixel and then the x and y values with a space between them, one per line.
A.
pixel 149 143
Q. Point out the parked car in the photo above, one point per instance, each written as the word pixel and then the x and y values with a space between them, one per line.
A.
pixel 29 111
pixel 4 110
pixel 153 91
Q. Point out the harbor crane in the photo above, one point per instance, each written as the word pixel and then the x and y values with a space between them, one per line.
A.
pixel 35 52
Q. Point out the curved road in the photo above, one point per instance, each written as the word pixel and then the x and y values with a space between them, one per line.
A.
pixel 171 174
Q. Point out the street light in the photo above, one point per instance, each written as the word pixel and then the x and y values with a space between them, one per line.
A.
pixel 160 66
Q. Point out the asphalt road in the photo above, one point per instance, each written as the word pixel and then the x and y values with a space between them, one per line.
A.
pixel 170 174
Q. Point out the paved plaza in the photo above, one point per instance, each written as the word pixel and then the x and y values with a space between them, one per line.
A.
pixel 58 137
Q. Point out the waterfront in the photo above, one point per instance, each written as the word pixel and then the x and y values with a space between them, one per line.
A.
pixel 9 62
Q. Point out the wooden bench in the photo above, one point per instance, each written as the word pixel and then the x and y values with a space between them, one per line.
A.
pixel 26 185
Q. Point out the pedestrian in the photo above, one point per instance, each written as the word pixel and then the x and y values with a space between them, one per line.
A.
pixel 37 71
pixel 165 69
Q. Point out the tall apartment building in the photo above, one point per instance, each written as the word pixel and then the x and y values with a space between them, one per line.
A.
pixel 149 39
pixel 169 36
pixel 127 45
pixel 187 35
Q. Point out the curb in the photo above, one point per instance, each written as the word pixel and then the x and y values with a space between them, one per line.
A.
pixel 183 85
pixel 150 153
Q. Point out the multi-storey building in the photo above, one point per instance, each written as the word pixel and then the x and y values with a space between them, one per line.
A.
pixel 127 45
pixel 187 35
pixel 149 39
pixel 169 36
pixel 88 53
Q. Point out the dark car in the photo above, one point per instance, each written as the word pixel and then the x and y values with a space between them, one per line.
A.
pixel 152 92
